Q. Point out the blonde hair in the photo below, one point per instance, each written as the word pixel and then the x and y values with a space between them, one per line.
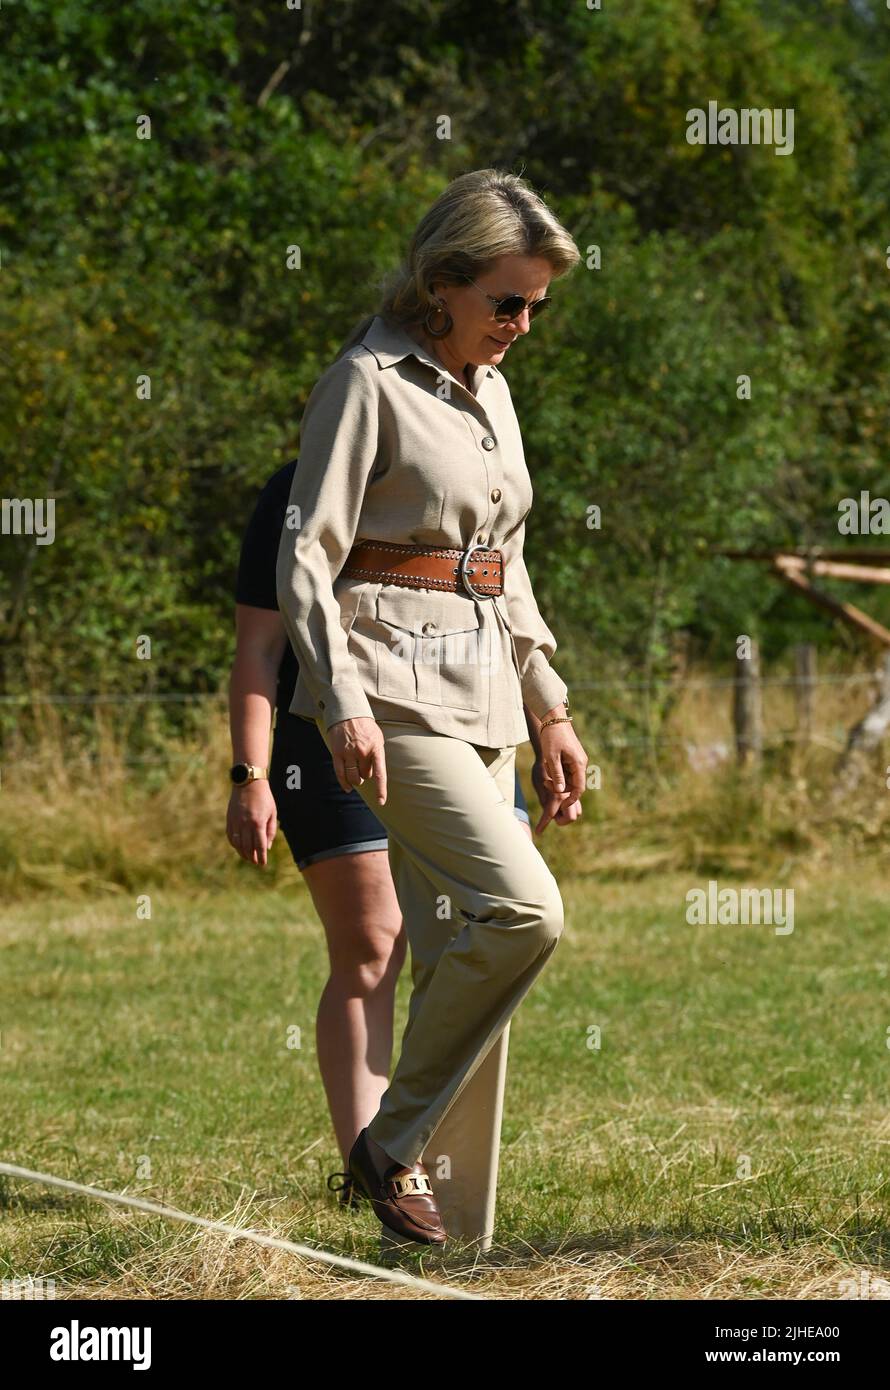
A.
pixel 478 218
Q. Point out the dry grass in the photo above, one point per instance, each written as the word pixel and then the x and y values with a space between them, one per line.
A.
pixel 193 1264
pixel 122 808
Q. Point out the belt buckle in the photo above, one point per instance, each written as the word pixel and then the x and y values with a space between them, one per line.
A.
pixel 465 559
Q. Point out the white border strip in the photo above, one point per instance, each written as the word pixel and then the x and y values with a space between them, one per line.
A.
pixel 243 1233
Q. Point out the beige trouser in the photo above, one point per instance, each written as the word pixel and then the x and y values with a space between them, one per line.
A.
pixel 483 914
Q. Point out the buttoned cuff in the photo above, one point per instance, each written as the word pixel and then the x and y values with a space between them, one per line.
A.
pixel 542 688
pixel 345 701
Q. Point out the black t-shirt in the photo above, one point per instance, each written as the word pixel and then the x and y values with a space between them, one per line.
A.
pixel 256 584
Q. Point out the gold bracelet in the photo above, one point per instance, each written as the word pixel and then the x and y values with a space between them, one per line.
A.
pixel 562 719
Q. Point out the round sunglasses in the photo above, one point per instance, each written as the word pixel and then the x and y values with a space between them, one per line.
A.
pixel 512 306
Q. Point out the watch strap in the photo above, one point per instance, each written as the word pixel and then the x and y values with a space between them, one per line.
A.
pixel 254 774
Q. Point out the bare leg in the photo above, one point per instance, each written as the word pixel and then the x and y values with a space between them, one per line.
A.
pixel 357 904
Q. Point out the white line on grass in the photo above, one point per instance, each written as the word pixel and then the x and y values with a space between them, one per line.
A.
pixel 394 1276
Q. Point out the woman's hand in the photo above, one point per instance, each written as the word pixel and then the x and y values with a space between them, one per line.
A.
pixel 552 806
pixel 252 820
pixel 356 747
pixel 564 768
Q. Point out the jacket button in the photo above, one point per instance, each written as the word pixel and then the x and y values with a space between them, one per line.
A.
pixel 488 442
pixel 496 494
pixel 428 628
pixel 321 704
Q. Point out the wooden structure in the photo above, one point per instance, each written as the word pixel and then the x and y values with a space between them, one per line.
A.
pixel 797 569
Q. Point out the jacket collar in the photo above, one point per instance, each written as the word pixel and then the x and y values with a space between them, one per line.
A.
pixel 390 344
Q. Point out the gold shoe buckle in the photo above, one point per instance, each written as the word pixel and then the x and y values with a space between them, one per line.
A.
pixel 411 1185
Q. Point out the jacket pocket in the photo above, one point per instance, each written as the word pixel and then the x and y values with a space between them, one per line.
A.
pixel 430 650
pixel 349 594
pixel 394 641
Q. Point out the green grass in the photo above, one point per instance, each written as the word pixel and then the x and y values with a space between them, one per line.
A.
pixel 725 1051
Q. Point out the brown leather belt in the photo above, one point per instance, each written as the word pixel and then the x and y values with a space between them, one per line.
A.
pixel 476 570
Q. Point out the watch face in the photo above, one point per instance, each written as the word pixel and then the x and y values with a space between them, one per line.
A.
pixel 239 774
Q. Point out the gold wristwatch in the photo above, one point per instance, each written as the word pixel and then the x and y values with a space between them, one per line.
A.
pixel 242 773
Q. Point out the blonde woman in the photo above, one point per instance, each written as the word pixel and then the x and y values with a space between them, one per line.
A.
pixel 404 592
pixel 340 848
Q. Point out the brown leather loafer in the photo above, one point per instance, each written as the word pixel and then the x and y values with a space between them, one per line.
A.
pixel 402 1199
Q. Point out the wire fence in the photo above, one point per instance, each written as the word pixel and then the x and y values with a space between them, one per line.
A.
pixel 705 683
pixel 833 738
pixel 713 747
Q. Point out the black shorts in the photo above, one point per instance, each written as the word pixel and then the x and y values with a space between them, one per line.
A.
pixel 318 818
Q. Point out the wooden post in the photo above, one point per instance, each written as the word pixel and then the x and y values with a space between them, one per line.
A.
pixel 748 709
pixel 804 687
pixel 864 737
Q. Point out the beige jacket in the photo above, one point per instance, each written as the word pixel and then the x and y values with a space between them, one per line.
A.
pixel 394 448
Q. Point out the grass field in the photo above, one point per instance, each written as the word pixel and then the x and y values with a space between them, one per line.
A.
pixel 728 1138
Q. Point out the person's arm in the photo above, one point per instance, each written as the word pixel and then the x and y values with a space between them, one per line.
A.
pixel 542 687
pixel 553 807
pixel 260 638
pixel 338 448
pixel 559 756
pixel 533 724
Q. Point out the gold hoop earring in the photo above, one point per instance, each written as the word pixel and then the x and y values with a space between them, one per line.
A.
pixel 438 308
